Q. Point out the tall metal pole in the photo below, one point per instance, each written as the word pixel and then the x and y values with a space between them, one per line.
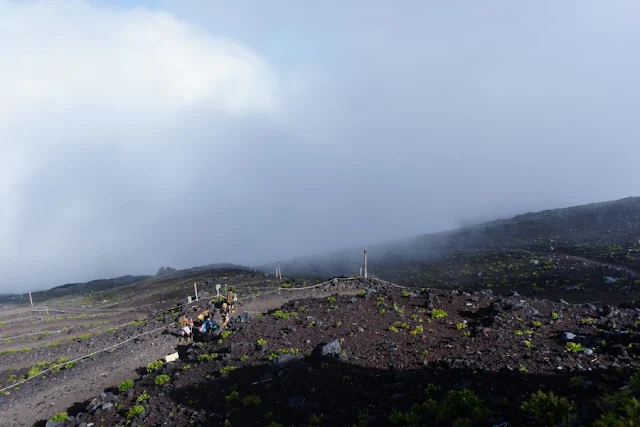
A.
pixel 365 262
pixel 195 287
pixel 30 299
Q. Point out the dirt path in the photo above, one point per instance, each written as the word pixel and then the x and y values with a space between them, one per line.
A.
pixel 603 264
pixel 40 398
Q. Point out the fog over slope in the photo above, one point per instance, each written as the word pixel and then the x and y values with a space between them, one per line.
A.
pixel 141 134
pixel 546 231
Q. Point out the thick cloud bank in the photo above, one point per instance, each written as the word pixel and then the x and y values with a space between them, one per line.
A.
pixel 189 133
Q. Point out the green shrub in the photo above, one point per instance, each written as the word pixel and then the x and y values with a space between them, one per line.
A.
pixel 59 417
pixel 227 369
pixel 283 314
pixel 405 419
pixel 155 365
pixel 436 314
pixel 206 357
pixel 144 396
pixel 125 385
pixel 33 372
pixel 460 405
pixel 634 381
pixel 261 342
pixel 234 395
pixel 550 409
pixel 574 347
pixel 134 410
pixel 161 379
pixel 252 400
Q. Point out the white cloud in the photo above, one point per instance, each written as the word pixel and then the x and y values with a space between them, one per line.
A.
pixel 106 114
pixel 62 58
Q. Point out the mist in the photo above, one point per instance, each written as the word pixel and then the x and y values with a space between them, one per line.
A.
pixel 139 135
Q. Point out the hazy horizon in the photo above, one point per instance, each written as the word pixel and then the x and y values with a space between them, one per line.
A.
pixel 135 135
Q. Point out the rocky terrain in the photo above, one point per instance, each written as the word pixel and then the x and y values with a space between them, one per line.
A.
pixel 391 356
pixel 526 321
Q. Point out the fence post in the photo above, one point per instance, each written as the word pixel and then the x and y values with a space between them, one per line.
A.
pixel 365 262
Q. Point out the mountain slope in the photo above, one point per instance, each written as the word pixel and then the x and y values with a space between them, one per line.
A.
pixel 597 238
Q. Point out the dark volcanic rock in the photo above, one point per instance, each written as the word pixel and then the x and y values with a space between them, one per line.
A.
pixel 286 359
pixel 323 350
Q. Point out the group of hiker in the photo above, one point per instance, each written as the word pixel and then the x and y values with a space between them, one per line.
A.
pixel 214 316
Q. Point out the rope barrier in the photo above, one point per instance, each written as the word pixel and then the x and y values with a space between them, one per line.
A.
pixel 80 358
pixel 36 333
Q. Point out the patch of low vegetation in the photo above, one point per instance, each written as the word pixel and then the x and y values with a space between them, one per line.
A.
pixel 155 365
pixel 437 314
pixel 283 314
pixel 134 411
pixel 574 347
pixel 125 385
pixel 550 409
pixel 162 379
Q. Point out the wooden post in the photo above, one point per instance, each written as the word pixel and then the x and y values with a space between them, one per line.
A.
pixel 30 299
pixel 365 262
pixel 46 308
pixel 195 287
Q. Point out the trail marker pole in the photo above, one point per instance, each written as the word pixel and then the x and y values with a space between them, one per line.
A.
pixel 195 287
pixel 218 290
pixel 46 308
pixel 30 299
pixel 365 262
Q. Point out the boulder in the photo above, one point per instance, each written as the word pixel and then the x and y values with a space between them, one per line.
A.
pixel 333 349
pixel 286 359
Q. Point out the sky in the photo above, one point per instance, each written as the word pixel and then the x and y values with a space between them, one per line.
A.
pixel 135 135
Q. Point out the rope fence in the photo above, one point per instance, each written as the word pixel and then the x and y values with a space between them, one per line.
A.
pixel 81 358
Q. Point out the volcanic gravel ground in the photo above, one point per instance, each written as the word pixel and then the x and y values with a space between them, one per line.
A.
pixel 386 346
pixel 41 396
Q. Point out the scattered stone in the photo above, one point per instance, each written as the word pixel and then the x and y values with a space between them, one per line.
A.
pixel 619 350
pixel 568 336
